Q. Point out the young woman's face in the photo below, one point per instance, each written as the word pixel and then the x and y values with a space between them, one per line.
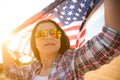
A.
pixel 47 38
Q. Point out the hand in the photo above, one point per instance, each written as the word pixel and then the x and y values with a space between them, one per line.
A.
pixel 112 14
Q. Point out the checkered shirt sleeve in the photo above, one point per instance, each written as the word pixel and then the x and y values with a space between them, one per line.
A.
pixel 100 50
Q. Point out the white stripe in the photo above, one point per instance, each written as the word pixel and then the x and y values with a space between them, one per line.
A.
pixel 72 32
pixel 72 42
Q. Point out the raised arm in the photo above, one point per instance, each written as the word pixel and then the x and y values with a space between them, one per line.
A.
pixel 105 46
pixel 112 14
pixel 7 60
pixel 12 70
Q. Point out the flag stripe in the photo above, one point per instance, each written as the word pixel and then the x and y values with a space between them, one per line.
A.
pixel 72 28
pixel 82 33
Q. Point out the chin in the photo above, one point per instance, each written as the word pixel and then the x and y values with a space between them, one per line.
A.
pixel 51 49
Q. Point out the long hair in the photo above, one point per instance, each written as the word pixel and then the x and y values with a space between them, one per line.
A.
pixel 65 44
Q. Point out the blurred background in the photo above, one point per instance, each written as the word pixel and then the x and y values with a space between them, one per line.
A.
pixel 15 12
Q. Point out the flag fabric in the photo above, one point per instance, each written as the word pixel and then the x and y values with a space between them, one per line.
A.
pixel 71 15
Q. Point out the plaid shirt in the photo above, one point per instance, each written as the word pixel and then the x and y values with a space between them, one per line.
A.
pixel 73 64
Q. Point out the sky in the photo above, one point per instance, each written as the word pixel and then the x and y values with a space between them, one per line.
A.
pixel 15 12
pixel 94 25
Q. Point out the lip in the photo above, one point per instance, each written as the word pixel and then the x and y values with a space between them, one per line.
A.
pixel 49 44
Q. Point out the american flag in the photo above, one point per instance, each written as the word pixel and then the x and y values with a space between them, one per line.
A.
pixel 70 14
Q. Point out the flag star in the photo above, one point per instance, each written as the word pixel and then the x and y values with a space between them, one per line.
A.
pixel 92 4
pixel 77 14
pixel 74 18
pixel 61 17
pixel 74 1
pixel 79 10
pixel 70 13
pixel 63 13
pixel 68 18
pixel 64 7
pixel 66 22
pixel 72 7
pixel 83 18
pixel 56 9
pixel 82 5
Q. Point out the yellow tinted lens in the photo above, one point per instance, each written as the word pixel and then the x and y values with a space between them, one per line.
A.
pixel 41 34
pixel 59 34
pixel 55 33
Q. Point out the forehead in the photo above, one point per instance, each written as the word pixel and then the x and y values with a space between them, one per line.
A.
pixel 47 26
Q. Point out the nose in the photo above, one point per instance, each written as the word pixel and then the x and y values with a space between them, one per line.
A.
pixel 49 37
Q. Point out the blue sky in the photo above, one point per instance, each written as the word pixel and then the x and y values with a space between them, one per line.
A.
pixel 94 25
pixel 15 12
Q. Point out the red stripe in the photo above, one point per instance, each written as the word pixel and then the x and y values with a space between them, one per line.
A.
pixel 72 37
pixel 60 24
pixel 81 43
pixel 51 16
pixel 82 33
pixel 77 42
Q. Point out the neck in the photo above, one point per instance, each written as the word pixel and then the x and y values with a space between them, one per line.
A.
pixel 48 60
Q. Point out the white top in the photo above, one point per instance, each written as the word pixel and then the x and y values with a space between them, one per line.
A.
pixel 40 77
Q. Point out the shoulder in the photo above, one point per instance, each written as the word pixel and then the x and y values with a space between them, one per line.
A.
pixel 68 54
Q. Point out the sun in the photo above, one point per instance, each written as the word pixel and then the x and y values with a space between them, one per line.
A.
pixel 9 20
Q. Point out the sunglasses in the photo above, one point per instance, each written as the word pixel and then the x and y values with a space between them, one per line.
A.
pixel 42 34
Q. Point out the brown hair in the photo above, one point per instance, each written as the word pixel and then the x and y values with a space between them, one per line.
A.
pixel 65 44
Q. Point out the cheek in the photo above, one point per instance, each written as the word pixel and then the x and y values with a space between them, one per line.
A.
pixel 58 44
pixel 39 44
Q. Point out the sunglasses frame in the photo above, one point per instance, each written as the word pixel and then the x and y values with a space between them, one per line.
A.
pixel 55 33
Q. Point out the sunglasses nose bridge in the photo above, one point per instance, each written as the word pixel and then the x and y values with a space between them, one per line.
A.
pixel 48 35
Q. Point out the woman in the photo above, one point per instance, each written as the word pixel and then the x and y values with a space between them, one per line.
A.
pixel 55 61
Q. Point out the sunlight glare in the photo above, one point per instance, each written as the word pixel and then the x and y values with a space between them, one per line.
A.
pixel 25 59
pixel 15 12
